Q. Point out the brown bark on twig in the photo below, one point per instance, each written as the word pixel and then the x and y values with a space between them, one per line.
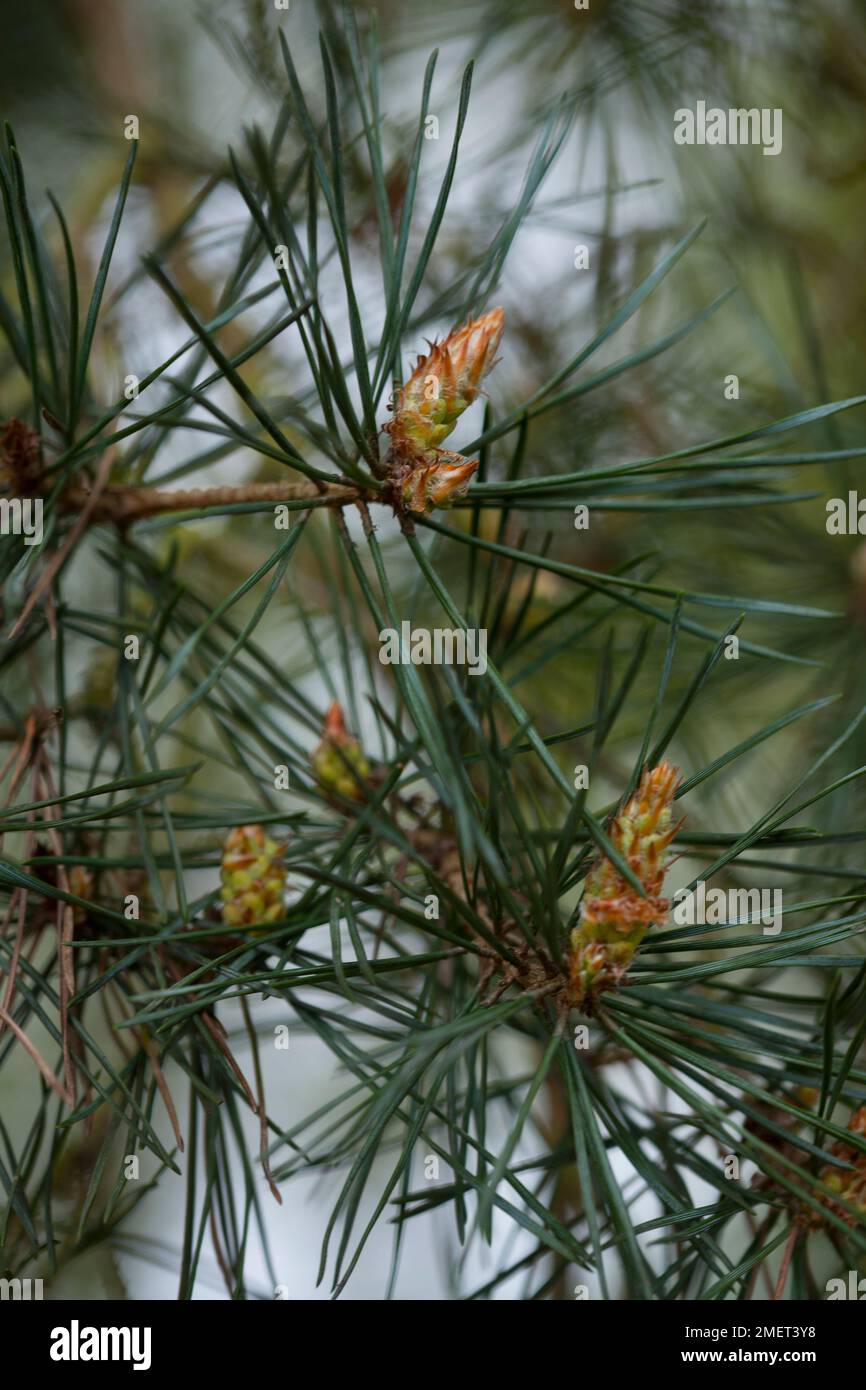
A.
pixel 124 505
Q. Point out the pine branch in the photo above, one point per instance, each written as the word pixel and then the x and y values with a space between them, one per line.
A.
pixel 124 505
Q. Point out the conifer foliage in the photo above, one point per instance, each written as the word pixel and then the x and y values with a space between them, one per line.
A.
pixel 238 836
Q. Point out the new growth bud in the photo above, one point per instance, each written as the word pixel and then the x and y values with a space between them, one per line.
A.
pixel 253 878
pixel 80 886
pixel 339 761
pixel 426 409
pixel 444 384
pixel 438 485
pixel 614 918
pixel 849 1184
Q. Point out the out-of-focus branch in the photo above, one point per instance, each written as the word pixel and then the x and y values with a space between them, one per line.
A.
pixel 125 505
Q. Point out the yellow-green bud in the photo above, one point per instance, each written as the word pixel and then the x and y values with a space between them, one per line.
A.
pixel 443 385
pixel 339 761
pixel 614 918
pixel 253 878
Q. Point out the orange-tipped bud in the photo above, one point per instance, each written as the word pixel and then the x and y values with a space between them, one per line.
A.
pixel 334 726
pixel 440 484
pixel 253 878
pixel 614 918
pixel 444 384
pixel 339 761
